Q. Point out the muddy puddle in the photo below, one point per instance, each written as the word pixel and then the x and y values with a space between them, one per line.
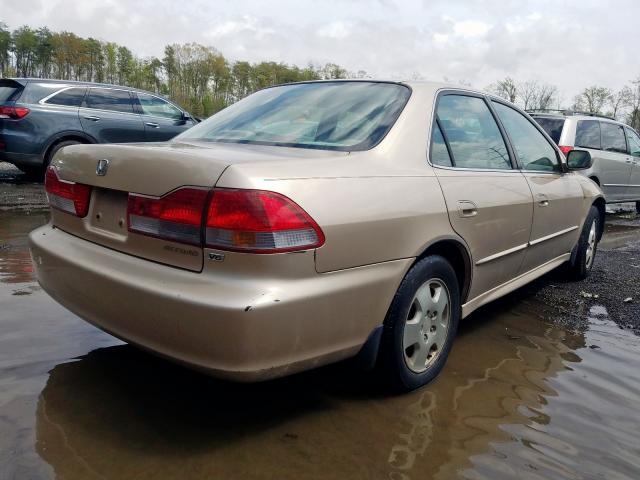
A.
pixel 519 398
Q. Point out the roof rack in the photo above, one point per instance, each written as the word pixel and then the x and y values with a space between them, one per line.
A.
pixel 568 112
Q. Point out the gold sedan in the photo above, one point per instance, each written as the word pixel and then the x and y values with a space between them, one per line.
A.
pixel 313 222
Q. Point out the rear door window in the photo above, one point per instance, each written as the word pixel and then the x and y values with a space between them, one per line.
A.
pixel 613 138
pixel 439 152
pixel 110 99
pixel 71 97
pixel 472 133
pixel 553 127
pixel 588 134
pixel 532 149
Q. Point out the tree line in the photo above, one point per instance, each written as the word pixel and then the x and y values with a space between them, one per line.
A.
pixel 198 78
pixel 203 81
pixel 623 104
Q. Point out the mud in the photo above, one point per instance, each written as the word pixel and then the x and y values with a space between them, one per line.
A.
pixel 542 384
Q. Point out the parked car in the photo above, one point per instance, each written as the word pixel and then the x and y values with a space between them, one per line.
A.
pixel 39 117
pixel 614 146
pixel 313 222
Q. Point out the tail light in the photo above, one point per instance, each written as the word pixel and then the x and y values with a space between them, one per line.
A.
pixel 252 221
pixel 176 216
pixel 565 149
pixel 259 221
pixel 14 113
pixel 67 196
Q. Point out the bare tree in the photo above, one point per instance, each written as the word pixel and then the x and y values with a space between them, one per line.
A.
pixel 592 99
pixel 546 96
pixel 528 92
pixel 620 100
pixel 633 118
pixel 505 88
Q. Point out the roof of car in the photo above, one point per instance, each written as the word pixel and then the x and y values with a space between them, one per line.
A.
pixel 74 82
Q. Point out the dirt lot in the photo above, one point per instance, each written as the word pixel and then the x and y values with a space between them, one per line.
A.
pixel 541 384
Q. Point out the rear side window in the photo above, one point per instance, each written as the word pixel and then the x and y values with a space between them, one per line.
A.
pixel 613 138
pixel 634 142
pixel 472 133
pixel 439 152
pixel 588 134
pixel 532 149
pixel 553 127
pixel 109 99
pixel 71 97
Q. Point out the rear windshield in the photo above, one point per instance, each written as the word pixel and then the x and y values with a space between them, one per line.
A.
pixel 9 90
pixel 326 115
pixel 553 126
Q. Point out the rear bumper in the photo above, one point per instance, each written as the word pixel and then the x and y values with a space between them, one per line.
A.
pixel 244 328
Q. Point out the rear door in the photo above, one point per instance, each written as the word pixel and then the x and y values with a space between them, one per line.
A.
pixel 488 199
pixel 108 116
pixel 558 197
pixel 633 192
pixel 162 120
pixel 614 164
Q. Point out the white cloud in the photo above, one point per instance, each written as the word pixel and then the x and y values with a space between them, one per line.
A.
pixel 470 28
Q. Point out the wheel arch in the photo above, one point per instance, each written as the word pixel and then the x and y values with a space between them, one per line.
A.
pixel 64 136
pixel 457 254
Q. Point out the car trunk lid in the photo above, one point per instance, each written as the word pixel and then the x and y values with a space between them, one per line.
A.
pixel 152 170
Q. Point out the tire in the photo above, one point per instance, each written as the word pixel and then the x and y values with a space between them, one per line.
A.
pixel 422 323
pixel 638 206
pixel 585 250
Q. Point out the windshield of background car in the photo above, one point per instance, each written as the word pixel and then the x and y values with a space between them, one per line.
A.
pixel 326 115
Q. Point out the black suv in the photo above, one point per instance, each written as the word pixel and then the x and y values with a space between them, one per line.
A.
pixel 38 117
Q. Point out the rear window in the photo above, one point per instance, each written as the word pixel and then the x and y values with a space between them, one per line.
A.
pixel 9 90
pixel 613 139
pixel 324 115
pixel 110 99
pixel 35 91
pixel 71 97
pixel 588 134
pixel 553 127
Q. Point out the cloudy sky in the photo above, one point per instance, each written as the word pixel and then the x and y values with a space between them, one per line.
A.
pixel 571 44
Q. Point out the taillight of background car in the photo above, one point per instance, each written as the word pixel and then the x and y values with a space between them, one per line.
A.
pixel 13 113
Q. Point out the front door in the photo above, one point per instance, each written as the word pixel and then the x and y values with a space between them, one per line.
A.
pixel 633 191
pixel 488 200
pixel 107 115
pixel 162 120
pixel 558 199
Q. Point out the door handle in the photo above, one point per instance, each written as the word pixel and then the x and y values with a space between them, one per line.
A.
pixel 542 200
pixel 151 124
pixel 467 209
pixel 93 118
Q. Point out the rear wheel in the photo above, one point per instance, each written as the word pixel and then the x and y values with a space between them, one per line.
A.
pixel 55 148
pixel 586 248
pixel 421 325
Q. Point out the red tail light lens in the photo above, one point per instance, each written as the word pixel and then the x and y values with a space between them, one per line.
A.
pixel 67 196
pixel 565 149
pixel 176 216
pixel 14 113
pixel 259 221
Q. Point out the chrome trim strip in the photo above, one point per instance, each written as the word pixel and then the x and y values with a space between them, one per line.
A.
pixel 618 185
pixel 553 235
pixel 501 254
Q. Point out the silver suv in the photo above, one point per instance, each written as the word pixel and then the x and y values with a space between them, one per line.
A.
pixel 614 147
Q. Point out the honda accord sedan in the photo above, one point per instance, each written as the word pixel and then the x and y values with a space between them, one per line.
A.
pixel 313 222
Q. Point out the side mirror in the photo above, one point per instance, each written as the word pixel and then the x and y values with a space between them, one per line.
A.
pixel 186 116
pixel 579 160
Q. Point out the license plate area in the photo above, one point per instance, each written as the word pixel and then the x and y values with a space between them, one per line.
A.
pixel 109 213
